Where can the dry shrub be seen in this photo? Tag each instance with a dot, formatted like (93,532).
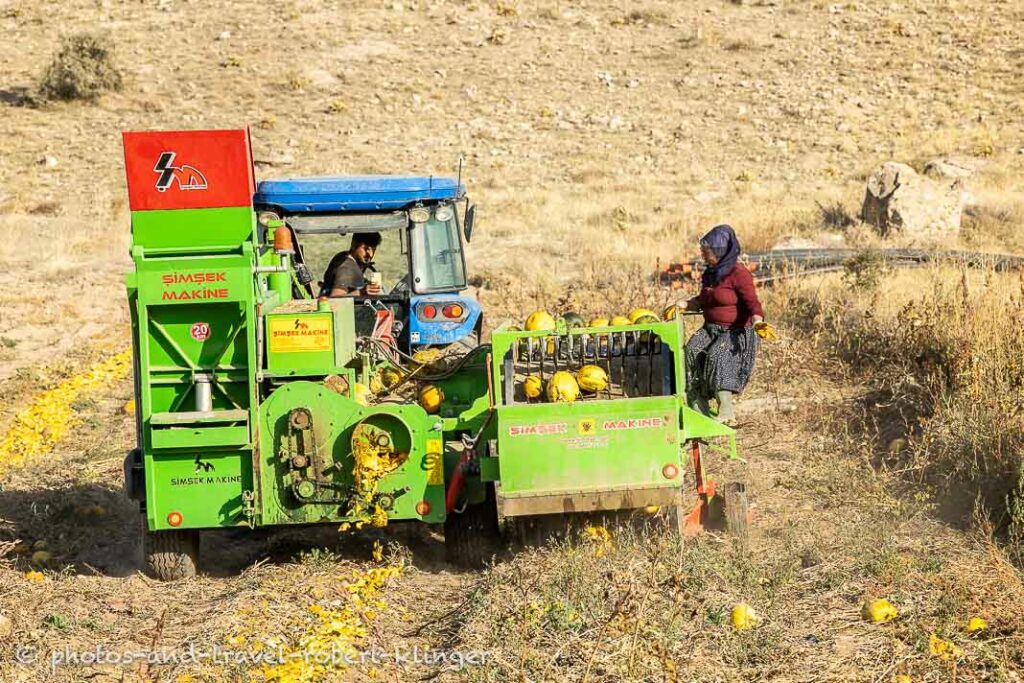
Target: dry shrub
(864,271)
(632,609)
(740,45)
(990,223)
(649,606)
(945,347)
(654,17)
(835,216)
(82,69)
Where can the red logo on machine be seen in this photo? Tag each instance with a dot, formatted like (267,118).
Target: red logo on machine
(186,176)
(532,430)
(639,423)
(188,169)
(200,331)
(194,294)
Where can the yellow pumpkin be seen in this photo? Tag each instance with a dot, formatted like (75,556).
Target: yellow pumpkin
(532,386)
(879,611)
(540,320)
(592,378)
(643,315)
(431,398)
(744,617)
(562,387)
(389,377)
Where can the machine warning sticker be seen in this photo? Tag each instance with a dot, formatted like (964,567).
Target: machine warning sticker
(537,430)
(638,423)
(586,426)
(299,333)
(583,442)
(199,331)
(434,463)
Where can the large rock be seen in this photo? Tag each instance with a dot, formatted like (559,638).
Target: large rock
(956,172)
(951,168)
(898,200)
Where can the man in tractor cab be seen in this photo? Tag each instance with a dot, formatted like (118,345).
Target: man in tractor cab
(346,273)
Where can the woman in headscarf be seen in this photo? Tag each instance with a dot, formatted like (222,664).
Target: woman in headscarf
(720,355)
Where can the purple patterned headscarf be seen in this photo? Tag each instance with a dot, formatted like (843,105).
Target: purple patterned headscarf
(722,242)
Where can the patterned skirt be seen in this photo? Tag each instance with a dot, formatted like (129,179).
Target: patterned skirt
(719,358)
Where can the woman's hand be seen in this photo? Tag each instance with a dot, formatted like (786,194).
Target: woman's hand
(691,305)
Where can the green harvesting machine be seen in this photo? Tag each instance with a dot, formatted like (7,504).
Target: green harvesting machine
(263,401)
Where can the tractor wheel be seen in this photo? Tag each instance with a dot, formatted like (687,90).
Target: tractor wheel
(737,510)
(470,537)
(171,555)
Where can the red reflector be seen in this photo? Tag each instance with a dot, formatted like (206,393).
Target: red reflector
(175,519)
(670,471)
(423,508)
(453,311)
(429,312)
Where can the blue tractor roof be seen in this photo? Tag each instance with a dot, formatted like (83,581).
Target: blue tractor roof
(354,193)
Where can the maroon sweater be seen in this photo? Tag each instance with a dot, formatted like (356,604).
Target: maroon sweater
(733,301)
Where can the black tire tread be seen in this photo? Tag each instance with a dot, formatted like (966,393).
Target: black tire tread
(471,537)
(171,555)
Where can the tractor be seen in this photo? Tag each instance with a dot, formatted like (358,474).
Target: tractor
(420,259)
(262,401)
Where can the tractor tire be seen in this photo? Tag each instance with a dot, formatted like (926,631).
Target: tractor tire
(171,555)
(471,537)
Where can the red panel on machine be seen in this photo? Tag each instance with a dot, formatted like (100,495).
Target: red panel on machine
(192,169)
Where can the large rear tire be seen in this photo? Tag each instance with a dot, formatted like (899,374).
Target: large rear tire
(471,537)
(171,555)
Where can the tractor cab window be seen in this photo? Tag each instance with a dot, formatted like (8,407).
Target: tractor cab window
(438,262)
(321,239)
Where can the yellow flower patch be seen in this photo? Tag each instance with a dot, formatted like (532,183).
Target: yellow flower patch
(945,650)
(600,538)
(49,418)
(334,638)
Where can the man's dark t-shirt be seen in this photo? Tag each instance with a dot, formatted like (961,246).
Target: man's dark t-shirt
(344,273)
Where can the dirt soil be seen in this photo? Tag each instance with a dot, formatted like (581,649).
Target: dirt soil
(829,532)
(601,136)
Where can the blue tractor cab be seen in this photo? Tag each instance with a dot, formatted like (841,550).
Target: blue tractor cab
(420,259)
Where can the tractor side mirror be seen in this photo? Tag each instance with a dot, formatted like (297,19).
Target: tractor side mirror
(467,228)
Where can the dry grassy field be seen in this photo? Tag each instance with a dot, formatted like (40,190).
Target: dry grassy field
(883,431)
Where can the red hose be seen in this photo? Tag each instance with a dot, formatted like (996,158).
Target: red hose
(455,485)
